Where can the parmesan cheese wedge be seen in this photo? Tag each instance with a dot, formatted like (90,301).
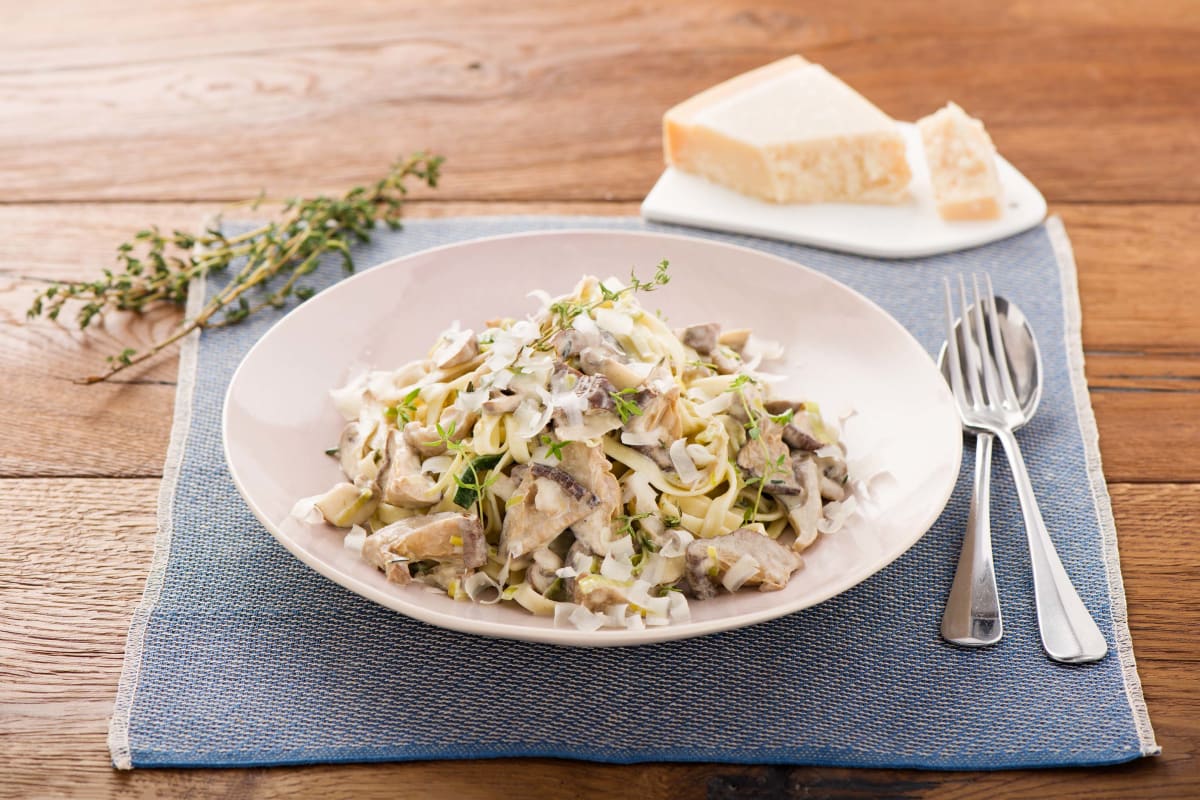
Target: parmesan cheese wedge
(962,165)
(789,132)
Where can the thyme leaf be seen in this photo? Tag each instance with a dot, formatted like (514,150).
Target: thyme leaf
(156,267)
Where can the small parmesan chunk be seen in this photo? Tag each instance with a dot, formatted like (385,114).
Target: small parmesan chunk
(962,165)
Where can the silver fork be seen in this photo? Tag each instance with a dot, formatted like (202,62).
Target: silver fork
(982,385)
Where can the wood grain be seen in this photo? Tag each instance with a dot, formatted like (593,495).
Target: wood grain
(114,118)
(122,429)
(64,612)
(216,104)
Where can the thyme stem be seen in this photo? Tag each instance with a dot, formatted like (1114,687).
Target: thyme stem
(159,268)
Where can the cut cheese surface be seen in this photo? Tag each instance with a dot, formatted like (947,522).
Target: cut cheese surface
(789,132)
(962,165)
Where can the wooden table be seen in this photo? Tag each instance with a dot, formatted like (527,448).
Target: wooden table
(114,116)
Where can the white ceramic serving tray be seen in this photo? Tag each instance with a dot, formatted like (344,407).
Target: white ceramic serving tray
(908,230)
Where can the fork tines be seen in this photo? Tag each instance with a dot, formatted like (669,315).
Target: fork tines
(979,367)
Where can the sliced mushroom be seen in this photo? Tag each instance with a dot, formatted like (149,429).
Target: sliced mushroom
(701,338)
(765,457)
(799,434)
(735,339)
(597,417)
(804,509)
(548,501)
(452,539)
(708,561)
(402,482)
(499,404)
(726,360)
(596,593)
(660,415)
(456,348)
(345,504)
(354,455)
(426,440)
(621,376)
(592,469)
(540,573)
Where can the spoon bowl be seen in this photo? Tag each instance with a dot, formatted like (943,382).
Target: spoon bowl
(1023,353)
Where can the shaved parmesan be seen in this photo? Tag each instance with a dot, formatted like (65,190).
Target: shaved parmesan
(481,588)
(743,570)
(684,466)
(355,539)
(613,321)
(586,620)
(639,438)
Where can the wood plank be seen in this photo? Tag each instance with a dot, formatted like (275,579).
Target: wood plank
(45,39)
(1138,274)
(224,99)
(64,612)
(125,427)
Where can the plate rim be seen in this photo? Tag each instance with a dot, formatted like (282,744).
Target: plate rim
(565,636)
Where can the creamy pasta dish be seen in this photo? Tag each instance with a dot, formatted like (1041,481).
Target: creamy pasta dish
(588,462)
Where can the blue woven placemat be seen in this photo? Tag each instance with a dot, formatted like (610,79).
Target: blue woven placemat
(241,655)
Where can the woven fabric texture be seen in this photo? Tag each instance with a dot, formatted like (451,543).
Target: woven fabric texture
(241,655)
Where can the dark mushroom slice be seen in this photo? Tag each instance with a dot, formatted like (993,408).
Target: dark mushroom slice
(701,338)
(725,359)
(765,457)
(447,538)
(798,433)
(402,482)
(546,502)
(709,560)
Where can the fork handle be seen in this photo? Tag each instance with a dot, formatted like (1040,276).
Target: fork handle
(1069,634)
(972,615)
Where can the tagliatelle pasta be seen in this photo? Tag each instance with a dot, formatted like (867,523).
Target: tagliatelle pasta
(588,463)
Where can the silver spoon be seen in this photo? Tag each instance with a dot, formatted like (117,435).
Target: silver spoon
(972,616)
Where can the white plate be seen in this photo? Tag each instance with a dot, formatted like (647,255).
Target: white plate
(908,230)
(842,350)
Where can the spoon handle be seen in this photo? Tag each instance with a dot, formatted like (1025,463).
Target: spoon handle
(1069,634)
(972,616)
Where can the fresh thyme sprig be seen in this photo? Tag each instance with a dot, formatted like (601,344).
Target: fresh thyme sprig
(564,312)
(402,413)
(626,407)
(155,267)
(772,468)
(555,447)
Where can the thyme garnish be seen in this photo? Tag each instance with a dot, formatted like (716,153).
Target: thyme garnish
(564,312)
(626,408)
(556,447)
(156,267)
(470,487)
(402,413)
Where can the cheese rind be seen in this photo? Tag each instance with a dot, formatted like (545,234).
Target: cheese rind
(962,165)
(789,132)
